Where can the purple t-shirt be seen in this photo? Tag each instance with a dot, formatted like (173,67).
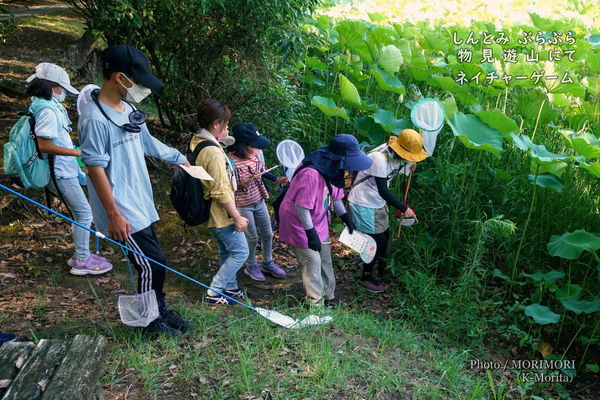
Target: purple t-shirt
(308,190)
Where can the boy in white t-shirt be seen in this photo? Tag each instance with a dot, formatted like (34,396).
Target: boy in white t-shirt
(370,195)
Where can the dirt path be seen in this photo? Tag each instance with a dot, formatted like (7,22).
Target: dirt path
(39,9)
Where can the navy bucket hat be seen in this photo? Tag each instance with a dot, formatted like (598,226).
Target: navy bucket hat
(342,153)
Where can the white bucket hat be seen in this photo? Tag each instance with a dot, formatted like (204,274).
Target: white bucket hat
(54,73)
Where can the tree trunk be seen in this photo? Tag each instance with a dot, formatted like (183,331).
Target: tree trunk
(81,56)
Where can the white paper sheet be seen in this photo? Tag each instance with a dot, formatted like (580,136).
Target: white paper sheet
(363,244)
(197,172)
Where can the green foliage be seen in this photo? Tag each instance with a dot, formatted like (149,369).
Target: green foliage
(8,26)
(387,82)
(328,107)
(581,306)
(390,59)
(348,91)
(534,140)
(475,134)
(495,119)
(571,245)
(548,181)
(547,277)
(541,314)
(204,48)
(388,122)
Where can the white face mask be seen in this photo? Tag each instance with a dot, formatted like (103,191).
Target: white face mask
(60,97)
(136,93)
(227,141)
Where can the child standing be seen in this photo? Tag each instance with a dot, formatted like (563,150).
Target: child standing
(304,214)
(49,86)
(113,147)
(225,222)
(370,195)
(250,196)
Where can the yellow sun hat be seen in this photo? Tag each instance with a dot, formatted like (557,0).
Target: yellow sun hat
(408,145)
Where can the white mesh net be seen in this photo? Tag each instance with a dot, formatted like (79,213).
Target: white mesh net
(289,154)
(291,323)
(428,115)
(138,310)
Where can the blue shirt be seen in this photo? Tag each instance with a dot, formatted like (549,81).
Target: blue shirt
(121,154)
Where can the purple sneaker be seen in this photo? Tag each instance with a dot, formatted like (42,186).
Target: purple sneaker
(255,273)
(101,260)
(89,267)
(273,269)
(373,286)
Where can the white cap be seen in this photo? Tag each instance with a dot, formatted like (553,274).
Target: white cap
(54,73)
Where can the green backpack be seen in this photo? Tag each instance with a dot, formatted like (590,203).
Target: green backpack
(21,154)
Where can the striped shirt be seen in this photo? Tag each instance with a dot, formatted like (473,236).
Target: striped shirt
(248,170)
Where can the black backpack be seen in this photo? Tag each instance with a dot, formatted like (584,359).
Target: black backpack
(187,193)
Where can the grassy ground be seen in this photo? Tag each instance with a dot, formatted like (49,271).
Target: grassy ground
(236,354)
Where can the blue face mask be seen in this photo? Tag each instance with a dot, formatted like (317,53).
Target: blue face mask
(339,180)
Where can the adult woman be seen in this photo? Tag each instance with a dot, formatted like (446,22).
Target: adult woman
(370,196)
(225,221)
(315,189)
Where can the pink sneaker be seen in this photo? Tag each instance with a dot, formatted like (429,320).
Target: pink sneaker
(92,266)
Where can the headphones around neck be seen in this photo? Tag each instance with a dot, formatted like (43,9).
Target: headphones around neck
(136,118)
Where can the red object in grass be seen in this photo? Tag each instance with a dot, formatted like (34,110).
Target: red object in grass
(400,214)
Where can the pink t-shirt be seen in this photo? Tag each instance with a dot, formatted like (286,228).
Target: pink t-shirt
(308,190)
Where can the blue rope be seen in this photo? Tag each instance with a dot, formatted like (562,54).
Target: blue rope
(100,235)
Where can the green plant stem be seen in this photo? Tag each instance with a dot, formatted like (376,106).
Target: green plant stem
(368,83)
(398,106)
(473,186)
(533,197)
(562,321)
(505,100)
(588,270)
(573,339)
(521,125)
(589,343)
(537,120)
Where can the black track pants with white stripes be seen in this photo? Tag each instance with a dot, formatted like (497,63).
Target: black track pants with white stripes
(150,275)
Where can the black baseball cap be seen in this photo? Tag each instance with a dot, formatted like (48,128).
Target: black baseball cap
(132,62)
(248,134)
